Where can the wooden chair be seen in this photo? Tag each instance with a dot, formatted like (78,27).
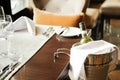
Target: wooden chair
(110,9)
(67,13)
(61,13)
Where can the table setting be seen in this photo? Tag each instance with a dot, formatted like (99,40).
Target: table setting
(89,60)
(23,39)
(30,37)
(26,35)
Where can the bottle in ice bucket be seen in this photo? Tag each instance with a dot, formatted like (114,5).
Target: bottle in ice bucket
(85,37)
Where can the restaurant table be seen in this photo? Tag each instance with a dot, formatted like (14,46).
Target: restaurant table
(42,66)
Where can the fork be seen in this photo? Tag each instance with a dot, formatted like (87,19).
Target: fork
(48,31)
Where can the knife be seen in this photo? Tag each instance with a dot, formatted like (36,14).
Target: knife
(4,70)
(63,31)
(7,71)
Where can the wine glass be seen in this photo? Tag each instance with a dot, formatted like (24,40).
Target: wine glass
(12,47)
(7,28)
(5,31)
(2,14)
(2,20)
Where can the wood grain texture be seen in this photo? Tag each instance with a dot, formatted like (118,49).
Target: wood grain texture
(41,66)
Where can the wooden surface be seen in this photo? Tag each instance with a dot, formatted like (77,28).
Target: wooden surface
(42,65)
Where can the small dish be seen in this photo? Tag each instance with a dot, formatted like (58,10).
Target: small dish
(68,31)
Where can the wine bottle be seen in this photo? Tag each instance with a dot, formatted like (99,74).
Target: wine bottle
(85,38)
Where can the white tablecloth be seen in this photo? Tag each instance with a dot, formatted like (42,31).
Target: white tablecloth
(28,44)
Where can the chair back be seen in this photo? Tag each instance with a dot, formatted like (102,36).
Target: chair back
(60,12)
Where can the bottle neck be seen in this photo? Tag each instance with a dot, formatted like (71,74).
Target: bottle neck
(84,34)
(82,26)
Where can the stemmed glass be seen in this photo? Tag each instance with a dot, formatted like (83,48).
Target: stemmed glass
(5,32)
(2,20)
(11,44)
(2,14)
(7,29)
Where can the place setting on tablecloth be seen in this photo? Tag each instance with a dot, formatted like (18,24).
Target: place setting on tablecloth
(22,45)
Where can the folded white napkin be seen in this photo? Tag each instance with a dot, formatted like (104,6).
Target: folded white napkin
(22,23)
(79,53)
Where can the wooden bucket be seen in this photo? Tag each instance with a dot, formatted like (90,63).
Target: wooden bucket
(97,66)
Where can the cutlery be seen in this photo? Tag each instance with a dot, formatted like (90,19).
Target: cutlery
(4,69)
(63,31)
(48,31)
(8,70)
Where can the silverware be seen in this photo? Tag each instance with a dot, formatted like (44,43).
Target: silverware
(48,31)
(4,70)
(8,70)
(63,31)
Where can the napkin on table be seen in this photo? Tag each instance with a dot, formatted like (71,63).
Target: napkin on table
(79,53)
(24,23)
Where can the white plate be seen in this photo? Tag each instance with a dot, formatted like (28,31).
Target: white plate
(69,32)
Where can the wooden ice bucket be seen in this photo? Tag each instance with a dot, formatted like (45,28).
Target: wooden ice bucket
(97,66)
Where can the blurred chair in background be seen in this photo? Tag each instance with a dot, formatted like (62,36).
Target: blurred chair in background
(67,13)
(75,12)
(110,9)
(61,13)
